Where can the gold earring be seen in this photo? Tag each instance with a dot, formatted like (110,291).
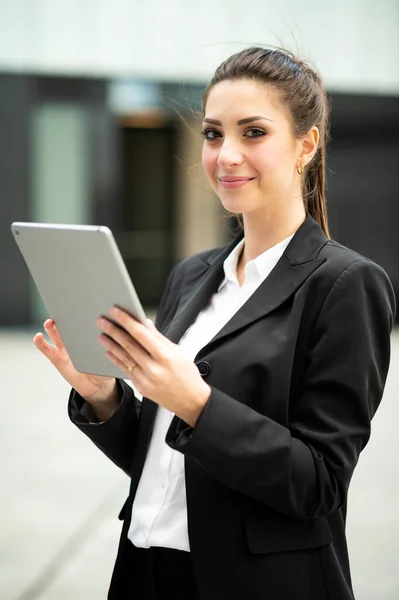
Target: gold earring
(300,169)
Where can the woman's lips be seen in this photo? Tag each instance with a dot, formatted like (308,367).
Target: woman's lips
(234,182)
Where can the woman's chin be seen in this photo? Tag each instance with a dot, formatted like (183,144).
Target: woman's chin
(235,207)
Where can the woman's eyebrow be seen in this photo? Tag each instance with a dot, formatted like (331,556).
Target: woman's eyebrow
(241,121)
(250,119)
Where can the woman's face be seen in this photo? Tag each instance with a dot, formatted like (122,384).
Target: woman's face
(249,154)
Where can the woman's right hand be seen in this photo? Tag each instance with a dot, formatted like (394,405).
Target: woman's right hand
(93,388)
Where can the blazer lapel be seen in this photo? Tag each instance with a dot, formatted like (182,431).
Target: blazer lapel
(280,285)
(204,289)
(297,263)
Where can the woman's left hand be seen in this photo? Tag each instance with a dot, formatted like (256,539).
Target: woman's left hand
(156,366)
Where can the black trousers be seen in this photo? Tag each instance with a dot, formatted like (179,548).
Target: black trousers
(173,575)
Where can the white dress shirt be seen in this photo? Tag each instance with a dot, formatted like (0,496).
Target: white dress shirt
(159,514)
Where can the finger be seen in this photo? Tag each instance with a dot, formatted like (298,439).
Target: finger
(156,332)
(130,369)
(45,348)
(40,342)
(118,335)
(127,356)
(52,331)
(142,334)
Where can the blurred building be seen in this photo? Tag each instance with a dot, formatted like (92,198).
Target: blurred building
(98,124)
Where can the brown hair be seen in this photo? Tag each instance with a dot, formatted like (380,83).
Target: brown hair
(301,90)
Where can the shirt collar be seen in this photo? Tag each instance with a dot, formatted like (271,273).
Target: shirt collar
(230,263)
(259,267)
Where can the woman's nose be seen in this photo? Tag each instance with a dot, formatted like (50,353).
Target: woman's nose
(229,154)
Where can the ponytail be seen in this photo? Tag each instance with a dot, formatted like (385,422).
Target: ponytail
(314,191)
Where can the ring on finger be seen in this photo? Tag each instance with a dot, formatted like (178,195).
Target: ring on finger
(132,367)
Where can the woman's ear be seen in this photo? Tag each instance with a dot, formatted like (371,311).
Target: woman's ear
(310,144)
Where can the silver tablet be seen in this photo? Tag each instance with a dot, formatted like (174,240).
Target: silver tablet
(80,274)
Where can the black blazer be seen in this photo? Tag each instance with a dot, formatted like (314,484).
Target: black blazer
(296,376)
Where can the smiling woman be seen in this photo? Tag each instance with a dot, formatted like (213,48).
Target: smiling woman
(259,381)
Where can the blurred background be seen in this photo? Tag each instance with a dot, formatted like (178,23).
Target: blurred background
(99,125)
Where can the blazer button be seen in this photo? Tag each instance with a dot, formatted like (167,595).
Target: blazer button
(204,368)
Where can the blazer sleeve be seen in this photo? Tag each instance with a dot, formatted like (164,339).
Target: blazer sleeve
(116,437)
(303,470)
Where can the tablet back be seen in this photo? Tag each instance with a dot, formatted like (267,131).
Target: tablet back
(80,274)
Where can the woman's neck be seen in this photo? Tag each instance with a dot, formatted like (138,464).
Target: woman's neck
(264,233)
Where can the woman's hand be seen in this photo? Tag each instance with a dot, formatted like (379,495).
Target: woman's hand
(156,366)
(93,388)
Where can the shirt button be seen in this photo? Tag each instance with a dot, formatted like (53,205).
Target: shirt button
(204,368)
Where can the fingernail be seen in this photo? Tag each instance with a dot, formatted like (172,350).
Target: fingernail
(114,310)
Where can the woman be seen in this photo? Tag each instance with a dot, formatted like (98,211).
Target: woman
(266,365)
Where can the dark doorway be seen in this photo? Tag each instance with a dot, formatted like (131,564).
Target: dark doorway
(148,205)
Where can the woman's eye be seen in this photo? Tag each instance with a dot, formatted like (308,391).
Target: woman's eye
(254,132)
(211,134)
